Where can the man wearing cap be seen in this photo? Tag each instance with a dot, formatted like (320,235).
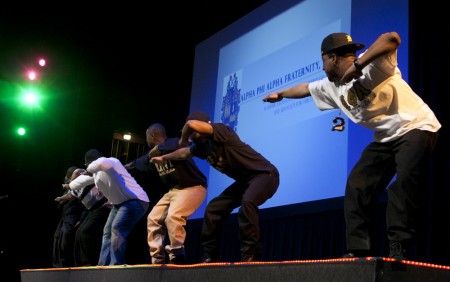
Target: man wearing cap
(256,181)
(370,90)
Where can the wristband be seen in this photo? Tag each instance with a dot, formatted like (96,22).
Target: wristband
(357,65)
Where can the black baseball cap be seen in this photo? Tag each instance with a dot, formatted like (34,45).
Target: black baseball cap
(339,40)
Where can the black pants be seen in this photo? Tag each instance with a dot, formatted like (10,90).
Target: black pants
(372,174)
(63,243)
(88,238)
(247,195)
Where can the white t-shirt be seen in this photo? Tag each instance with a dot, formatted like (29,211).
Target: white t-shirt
(114,181)
(379,100)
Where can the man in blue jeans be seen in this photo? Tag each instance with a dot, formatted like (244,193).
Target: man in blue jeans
(129,204)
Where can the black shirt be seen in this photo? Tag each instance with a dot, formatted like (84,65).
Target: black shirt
(227,153)
(174,174)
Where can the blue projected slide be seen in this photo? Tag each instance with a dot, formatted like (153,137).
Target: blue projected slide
(275,47)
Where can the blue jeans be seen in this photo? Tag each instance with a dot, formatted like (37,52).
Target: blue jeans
(120,223)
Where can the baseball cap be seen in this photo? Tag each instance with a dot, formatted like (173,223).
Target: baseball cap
(339,40)
(198,115)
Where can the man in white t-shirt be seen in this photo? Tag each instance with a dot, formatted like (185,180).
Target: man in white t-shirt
(370,90)
(129,204)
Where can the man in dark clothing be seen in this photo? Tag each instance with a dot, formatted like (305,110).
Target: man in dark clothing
(88,237)
(256,181)
(73,213)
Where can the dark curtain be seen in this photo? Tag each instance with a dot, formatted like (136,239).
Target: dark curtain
(429,75)
(317,230)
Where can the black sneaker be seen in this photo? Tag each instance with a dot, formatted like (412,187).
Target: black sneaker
(179,259)
(356,254)
(349,255)
(176,254)
(248,258)
(158,260)
(251,253)
(210,259)
(396,250)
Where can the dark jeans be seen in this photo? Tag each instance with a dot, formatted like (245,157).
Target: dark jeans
(247,195)
(371,175)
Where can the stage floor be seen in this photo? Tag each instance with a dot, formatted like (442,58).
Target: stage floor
(348,270)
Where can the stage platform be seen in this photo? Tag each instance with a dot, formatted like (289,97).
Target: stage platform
(348,270)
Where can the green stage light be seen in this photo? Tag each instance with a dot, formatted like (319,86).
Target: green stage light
(21,131)
(30,98)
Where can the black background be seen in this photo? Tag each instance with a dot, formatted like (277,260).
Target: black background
(110,67)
